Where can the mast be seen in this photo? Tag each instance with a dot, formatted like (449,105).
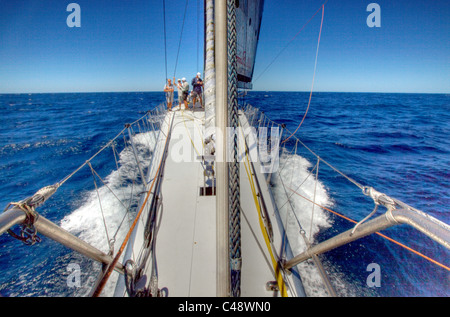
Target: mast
(223,265)
(228,76)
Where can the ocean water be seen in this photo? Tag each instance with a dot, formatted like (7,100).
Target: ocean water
(396,143)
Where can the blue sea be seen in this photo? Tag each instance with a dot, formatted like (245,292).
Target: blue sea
(397,143)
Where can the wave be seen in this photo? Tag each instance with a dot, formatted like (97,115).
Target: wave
(13,148)
(106,213)
(292,188)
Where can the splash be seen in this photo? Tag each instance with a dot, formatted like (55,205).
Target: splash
(294,187)
(106,213)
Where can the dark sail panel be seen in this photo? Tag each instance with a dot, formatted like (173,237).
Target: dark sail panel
(248,23)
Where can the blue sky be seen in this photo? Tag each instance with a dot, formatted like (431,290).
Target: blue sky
(120,46)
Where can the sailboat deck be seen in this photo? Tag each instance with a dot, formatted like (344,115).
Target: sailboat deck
(186,240)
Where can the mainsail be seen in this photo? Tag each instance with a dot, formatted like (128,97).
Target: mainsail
(248,24)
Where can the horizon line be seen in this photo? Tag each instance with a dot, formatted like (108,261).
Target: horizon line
(249,90)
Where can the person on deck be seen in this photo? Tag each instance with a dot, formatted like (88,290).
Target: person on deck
(180,91)
(197,85)
(168,89)
(185,92)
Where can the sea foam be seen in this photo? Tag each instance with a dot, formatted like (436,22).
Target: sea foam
(107,211)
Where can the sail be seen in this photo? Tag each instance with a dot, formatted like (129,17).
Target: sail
(248,23)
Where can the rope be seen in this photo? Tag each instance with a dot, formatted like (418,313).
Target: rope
(302,231)
(165,36)
(282,50)
(100,204)
(181,36)
(189,135)
(94,173)
(277,269)
(28,233)
(65,179)
(233,170)
(315,189)
(360,186)
(28,206)
(198,30)
(380,234)
(314,75)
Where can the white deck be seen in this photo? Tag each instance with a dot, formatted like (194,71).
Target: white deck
(186,240)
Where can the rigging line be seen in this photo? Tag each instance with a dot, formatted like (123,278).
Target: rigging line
(117,164)
(123,193)
(65,179)
(302,231)
(165,36)
(101,208)
(110,268)
(249,169)
(298,187)
(378,233)
(181,36)
(284,48)
(273,256)
(150,132)
(331,166)
(315,188)
(360,186)
(154,271)
(198,30)
(192,142)
(106,185)
(146,114)
(291,156)
(351,180)
(314,75)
